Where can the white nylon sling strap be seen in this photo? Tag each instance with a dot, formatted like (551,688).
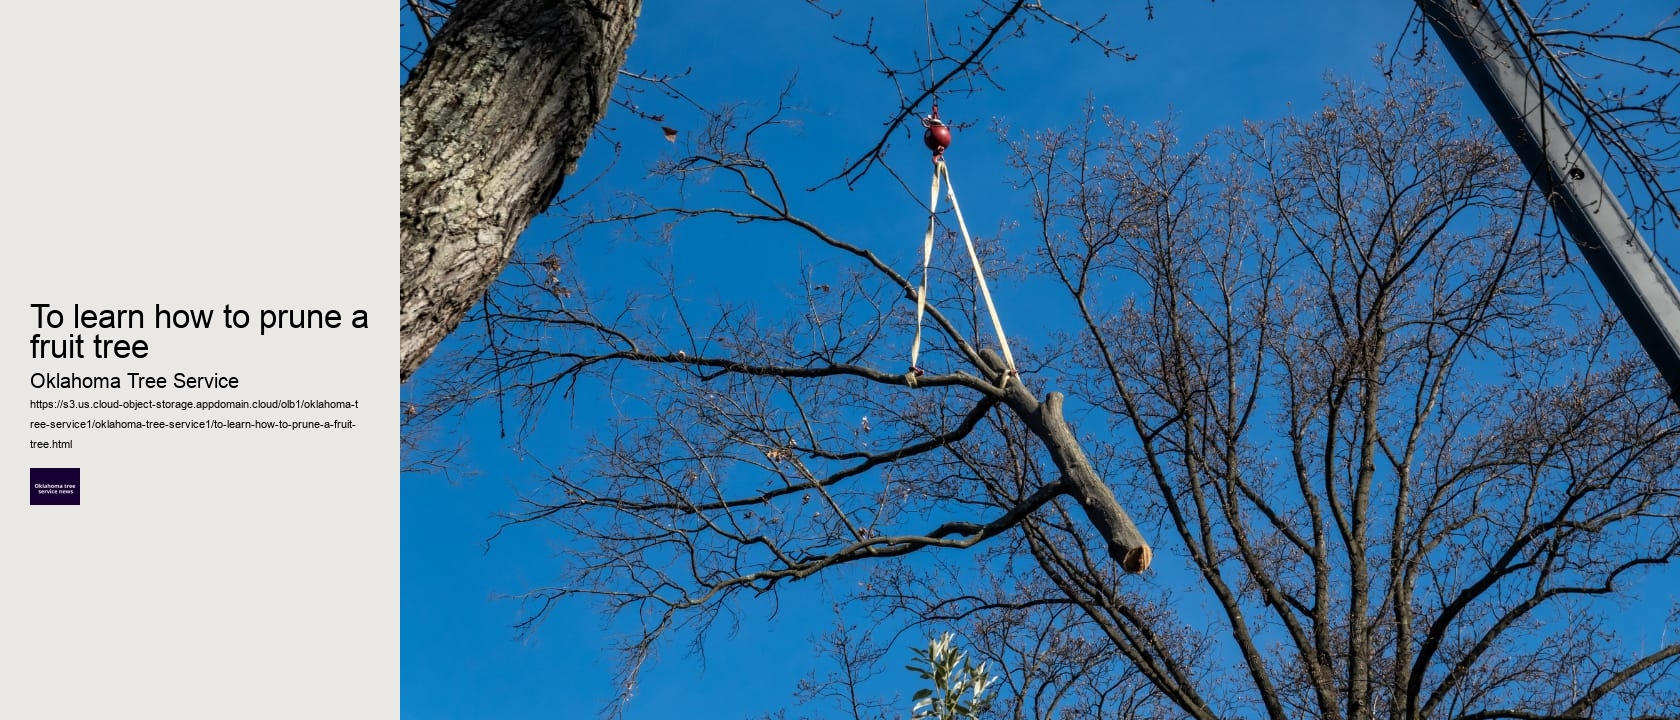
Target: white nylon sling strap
(979,275)
(927,256)
(939,170)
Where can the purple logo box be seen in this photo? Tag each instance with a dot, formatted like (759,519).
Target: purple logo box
(55,486)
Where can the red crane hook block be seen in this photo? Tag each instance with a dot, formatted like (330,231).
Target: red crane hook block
(938,134)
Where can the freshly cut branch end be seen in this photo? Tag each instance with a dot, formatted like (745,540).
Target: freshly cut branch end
(1125,543)
(1134,560)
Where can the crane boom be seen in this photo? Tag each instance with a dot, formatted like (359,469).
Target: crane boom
(1561,168)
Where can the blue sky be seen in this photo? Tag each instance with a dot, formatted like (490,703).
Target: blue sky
(1211,65)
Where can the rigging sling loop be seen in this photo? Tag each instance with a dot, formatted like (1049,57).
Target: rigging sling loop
(938,137)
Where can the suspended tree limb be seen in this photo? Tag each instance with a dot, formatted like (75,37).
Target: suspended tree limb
(1125,543)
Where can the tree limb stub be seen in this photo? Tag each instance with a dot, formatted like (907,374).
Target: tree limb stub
(1125,543)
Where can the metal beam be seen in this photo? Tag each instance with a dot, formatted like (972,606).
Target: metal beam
(1562,170)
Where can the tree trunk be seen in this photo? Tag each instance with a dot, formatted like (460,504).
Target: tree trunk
(493,119)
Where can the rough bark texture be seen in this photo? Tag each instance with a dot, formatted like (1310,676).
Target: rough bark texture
(493,119)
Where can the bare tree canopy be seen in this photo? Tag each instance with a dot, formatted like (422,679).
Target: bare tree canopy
(1330,357)
(1315,420)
